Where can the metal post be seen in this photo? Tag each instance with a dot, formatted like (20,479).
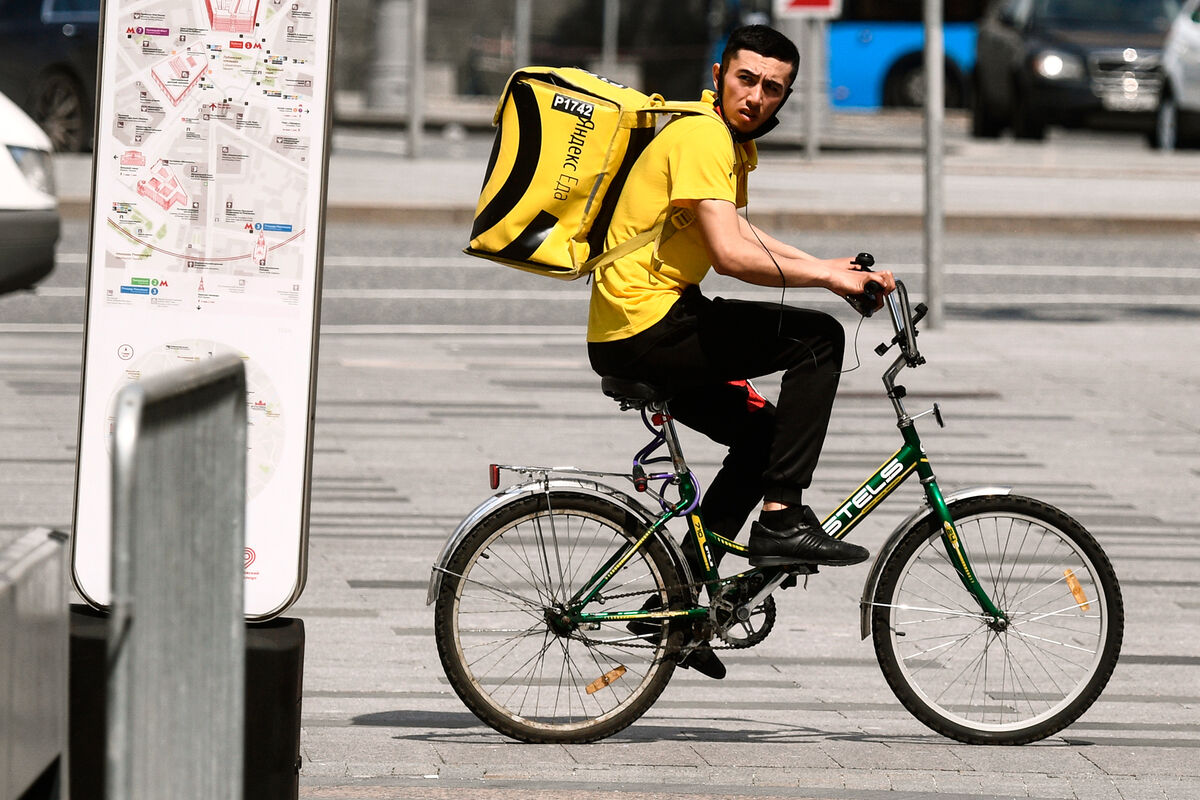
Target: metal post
(416,77)
(815,74)
(935,212)
(522,33)
(33,659)
(176,642)
(608,53)
(387,86)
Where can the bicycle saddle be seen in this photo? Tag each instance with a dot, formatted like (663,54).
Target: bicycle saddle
(633,393)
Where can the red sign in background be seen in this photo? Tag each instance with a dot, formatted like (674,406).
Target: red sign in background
(808,8)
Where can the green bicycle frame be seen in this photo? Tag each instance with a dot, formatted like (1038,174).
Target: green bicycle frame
(845,517)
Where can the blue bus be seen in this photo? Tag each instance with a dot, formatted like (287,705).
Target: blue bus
(876,54)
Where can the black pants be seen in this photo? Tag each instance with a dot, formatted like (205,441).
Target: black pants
(702,352)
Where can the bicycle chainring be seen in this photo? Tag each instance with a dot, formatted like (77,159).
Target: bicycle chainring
(736,632)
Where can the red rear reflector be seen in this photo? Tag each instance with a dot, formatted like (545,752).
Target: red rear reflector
(494,475)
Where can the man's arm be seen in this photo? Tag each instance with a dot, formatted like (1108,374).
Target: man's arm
(734,251)
(761,238)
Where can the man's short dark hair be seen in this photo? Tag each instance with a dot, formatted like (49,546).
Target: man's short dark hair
(765,41)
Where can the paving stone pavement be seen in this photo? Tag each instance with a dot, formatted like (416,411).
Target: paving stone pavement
(1099,418)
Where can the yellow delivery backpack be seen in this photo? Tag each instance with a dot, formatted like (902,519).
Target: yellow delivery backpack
(565,142)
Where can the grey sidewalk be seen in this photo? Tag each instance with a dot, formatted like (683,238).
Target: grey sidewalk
(870,177)
(1097,418)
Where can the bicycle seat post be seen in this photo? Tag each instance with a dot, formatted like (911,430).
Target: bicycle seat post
(662,417)
(653,402)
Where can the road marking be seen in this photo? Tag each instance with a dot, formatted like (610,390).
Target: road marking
(1025,270)
(540,331)
(41,327)
(455,294)
(972,300)
(566,331)
(58,291)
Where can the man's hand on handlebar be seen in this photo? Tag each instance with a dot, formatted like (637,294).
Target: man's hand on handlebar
(862,288)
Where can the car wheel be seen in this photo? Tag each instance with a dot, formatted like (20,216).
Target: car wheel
(60,107)
(984,124)
(1028,123)
(904,86)
(1166,124)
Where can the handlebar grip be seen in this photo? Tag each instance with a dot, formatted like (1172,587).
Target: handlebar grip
(866,302)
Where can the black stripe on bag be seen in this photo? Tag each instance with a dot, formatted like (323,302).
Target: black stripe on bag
(487,176)
(521,248)
(529,150)
(638,139)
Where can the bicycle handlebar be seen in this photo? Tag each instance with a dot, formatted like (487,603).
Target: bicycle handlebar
(865,303)
(904,323)
(904,318)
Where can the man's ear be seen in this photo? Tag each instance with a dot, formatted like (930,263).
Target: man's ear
(716,76)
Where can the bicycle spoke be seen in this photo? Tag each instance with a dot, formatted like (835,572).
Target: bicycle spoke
(1026,674)
(525,657)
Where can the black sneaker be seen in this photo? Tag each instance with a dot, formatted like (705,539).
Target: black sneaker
(646,628)
(801,541)
(704,660)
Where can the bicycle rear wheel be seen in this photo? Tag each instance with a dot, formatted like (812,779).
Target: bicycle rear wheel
(500,628)
(981,681)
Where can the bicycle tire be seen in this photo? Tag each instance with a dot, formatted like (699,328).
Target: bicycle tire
(997,684)
(493,620)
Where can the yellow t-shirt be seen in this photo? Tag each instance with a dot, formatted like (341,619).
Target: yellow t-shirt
(692,158)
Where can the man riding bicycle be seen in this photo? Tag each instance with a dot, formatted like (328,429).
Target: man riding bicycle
(649,321)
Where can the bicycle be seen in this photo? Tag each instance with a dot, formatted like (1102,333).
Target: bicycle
(562,607)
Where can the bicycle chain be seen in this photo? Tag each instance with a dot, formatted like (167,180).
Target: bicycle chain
(696,584)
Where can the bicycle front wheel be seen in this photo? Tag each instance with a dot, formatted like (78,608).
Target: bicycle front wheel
(503,629)
(986,681)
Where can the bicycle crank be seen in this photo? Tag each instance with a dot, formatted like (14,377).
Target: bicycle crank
(737,619)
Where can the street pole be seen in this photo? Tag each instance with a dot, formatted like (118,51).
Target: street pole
(608,53)
(522,33)
(935,112)
(814,28)
(416,76)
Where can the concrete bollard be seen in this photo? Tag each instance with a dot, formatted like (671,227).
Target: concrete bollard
(33,665)
(176,643)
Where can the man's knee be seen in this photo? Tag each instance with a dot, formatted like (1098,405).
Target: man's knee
(820,337)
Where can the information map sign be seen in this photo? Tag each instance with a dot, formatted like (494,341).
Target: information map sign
(209,188)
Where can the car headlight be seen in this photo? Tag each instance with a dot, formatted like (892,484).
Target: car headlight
(36,166)
(1058,66)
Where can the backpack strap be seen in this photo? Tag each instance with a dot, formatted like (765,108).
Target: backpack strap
(656,106)
(625,248)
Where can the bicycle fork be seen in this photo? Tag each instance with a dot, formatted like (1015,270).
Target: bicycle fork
(896,470)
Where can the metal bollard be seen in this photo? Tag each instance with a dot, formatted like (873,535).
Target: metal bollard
(33,663)
(176,646)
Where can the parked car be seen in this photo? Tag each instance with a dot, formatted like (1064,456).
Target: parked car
(1069,62)
(29,221)
(1177,122)
(48,65)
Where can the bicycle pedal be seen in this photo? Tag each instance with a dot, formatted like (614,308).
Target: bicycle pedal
(795,572)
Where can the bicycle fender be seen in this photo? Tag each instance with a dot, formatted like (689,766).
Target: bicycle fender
(521,491)
(885,552)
